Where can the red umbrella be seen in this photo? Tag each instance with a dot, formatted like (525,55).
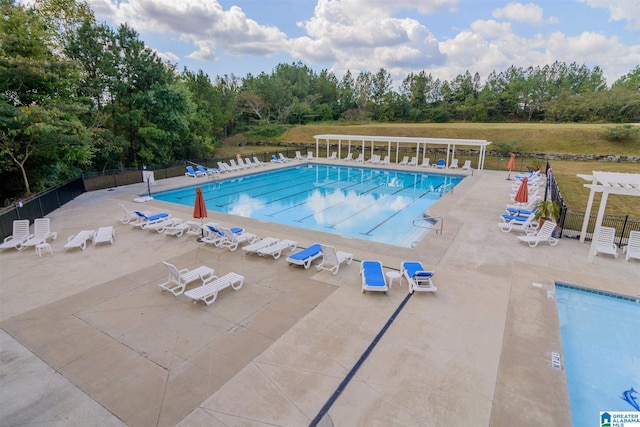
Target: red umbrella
(512,164)
(200,208)
(522,196)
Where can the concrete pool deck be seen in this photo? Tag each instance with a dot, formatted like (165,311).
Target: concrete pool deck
(88,338)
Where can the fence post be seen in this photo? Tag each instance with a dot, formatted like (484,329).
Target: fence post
(624,226)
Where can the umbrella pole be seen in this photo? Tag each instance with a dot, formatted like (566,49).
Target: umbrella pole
(509,176)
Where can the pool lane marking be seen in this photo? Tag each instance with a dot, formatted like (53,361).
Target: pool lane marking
(343,385)
(368,233)
(307,201)
(339,203)
(372,204)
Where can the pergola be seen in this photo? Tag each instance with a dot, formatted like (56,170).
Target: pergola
(626,184)
(397,140)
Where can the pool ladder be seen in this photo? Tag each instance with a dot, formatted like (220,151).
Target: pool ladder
(429,222)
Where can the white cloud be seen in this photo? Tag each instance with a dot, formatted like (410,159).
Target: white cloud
(365,35)
(529,13)
(491,28)
(620,10)
(202,22)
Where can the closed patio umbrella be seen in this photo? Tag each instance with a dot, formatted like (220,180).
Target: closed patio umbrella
(200,208)
(512,164)
(522,196)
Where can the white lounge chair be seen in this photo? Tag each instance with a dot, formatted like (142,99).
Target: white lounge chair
(306,256)
(283,158)
(104,235)
(414,161)
(418,277)
(179,279)
(466,166)
(349,157)
(177,230)
(242,164)
(208,292)
(41,233)
(632,250)
(299,156)
(233,238)
(234,165)
(333,156)
(259,244)
(276,249)
(212,234)
(605,242)
(210,172)
(309,155)
(373,278)
(360,158)
(453,164)
(544,234)
(404,161)
(159,226)
(517,223)
(80,240)
(385,161)
(129,215)
(223,167)
(19,235)
(249,163)
(258,162)
(331,259)
(144,219)
(426,162)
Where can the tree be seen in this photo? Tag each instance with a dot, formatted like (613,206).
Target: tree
(38,112)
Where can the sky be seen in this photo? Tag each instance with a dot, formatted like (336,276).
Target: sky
(443,37)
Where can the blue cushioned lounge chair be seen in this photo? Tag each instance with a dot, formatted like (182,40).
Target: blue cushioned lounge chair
(418,277)
(373,278)
(193,173)
(144,219)
(305,256)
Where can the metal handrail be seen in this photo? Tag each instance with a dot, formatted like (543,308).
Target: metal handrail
(426,219)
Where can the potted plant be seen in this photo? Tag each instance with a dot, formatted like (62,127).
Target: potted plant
(536,165)
(546,210)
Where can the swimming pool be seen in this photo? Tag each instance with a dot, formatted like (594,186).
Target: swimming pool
(601,346)
(363,203)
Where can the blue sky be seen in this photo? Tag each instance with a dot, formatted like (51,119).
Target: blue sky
(443,37)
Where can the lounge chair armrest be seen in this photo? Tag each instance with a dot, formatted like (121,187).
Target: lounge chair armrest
(423,274)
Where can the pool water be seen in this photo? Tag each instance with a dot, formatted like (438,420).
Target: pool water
(370,204)
(601,348)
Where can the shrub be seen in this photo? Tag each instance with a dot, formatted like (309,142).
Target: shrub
(622,132)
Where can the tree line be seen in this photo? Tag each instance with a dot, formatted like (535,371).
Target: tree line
(76,95)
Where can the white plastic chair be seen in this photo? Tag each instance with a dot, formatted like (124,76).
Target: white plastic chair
(632,250)
(331,259)
(605,242)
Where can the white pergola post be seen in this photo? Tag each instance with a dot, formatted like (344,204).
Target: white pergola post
(596,232)
(587,214)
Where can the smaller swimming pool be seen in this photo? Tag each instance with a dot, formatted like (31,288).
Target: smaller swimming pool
(379,205)
(601,348)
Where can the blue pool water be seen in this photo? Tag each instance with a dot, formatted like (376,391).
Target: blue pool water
(601,349)
(370,204)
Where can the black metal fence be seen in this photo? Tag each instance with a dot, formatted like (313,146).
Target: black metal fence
(570,222)
(40,204)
